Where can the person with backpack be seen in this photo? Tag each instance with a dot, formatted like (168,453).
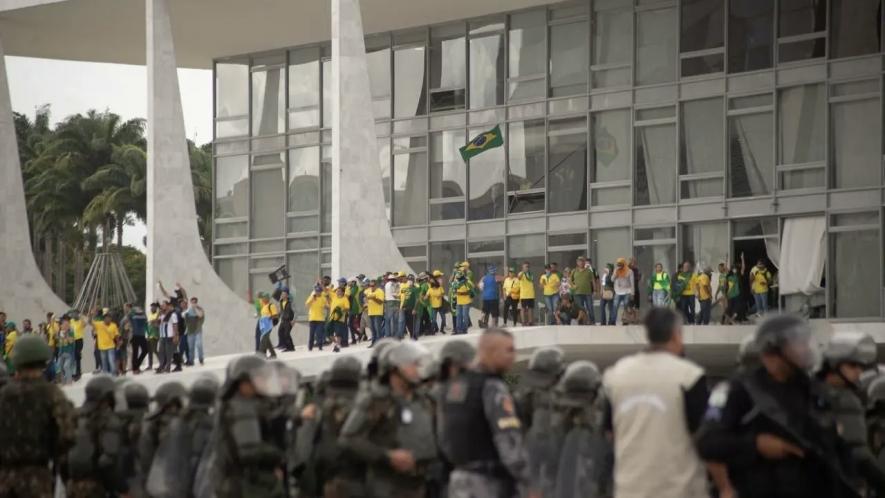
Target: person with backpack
(760,281)
(268,317)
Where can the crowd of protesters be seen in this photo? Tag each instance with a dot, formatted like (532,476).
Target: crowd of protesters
(124,337)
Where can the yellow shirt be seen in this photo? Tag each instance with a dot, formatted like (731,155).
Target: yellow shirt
(375,309)
(760,280)
(550,283)
(316,307)
(403,295)
(78,327)
(704,289)
(342,303)
(52,333)
(688,290)
(526,287)
(10,341)
(511,287)
(269,309)
(435,294)
(105,334)
(464,295)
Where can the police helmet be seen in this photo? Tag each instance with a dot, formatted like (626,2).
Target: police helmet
(457,352)
(876,392)
(545,367)
(169,393)
(850,347)
(580,382)
(136,395)
(748,352)
(789,337)
(372,369)
(275,379)
(203,391)
(30,351)
(240,369)
(100,388)
(400,355)
(345,373)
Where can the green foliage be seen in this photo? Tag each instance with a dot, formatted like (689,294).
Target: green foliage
(134,261)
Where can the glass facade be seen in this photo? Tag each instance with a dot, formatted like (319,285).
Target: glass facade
(658,130)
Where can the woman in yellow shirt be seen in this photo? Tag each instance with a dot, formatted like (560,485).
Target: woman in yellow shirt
(435,295)
(375,307)
(550,283)
(511,296)
(339,305)
(527,294)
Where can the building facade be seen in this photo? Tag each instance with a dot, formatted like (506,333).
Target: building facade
(674,130)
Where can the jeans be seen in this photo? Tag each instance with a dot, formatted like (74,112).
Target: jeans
(376,322)
(184,351)
(78,356)
(686,306)
(66,367)
(391,314)
(606,304)
(463,318)
(340,329)
(659,298)
(195,346)
(704,318)
(619,299)
(586,301)
(434,313)
(167,350)
(257,337)
(317,335)
(108,361)
(761,303)
(266,346)
(152,351)
(139,351)
(552,303)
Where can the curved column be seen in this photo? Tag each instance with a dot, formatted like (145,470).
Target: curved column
(24,293)
(174,251)
(361,238)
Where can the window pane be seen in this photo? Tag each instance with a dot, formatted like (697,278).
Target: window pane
(799,17)
(231,89)
(447,211)
(529,248)
(750,35)
(714,63)
(268,96)
(857,155)
(803,178)
(384,163)
(448,172)
(612,37)
(612,77)
(444,255)
(268,211)
(611,146)
(231,186)
(230,230)
(488,192)
(303,268)
(304,179)
(646,258)
(702,24)
(801,124)
(655,165)
(609,244)
(703,137)
(855,28)
(409,186)
(696,189)
(656,233)
(566,259)
(326,192)
(706,245)
(856,291)
(378,62)
(655,46)
(751,154)
(610,196)
(801,50)
(304,88)
(567,239)
(755,227)
(327,92)
(568,168)
(528,50)
(486,71)
(527,165)
(409,93)
(235,273)
(526,202)
(448,67)
(569,59)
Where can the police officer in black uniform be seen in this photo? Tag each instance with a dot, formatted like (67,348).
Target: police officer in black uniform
(484,432)
(771,429)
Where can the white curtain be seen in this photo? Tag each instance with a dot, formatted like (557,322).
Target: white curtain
(659,159)
(802,255)
(773,249)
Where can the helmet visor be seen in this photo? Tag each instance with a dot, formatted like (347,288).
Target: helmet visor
(274,381)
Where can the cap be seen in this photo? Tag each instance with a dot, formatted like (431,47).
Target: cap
(342,280)
(437,273)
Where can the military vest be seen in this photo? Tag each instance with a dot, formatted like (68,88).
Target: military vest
(25,438)
(470,438)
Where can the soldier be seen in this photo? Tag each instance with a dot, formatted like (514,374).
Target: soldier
(455,357)
(391,428)
(162,464)
(847,355)
(484,432)
(322,467)
(4,375)
(37,424)
(876,418)
(772,426)
(131,411)
(585,464)
(748,353)
(545,367)
(377,351)
(198,420)
(96,463)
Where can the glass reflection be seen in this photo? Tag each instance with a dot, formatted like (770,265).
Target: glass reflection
(231,187)
(304,179)
(801,124)
(703,136)
(409,183)
(268,96)
(409,92)
(750,35)
(231,89)
(655,46)
(304,89)
(611,146)
(488,193)
(857,155)
(855,28)
(268,209)
(527,163)
(568,59)
(486,71)
(448,172)
(751,154)
(655,181)
(568,166)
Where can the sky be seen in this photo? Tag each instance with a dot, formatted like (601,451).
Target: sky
(71,87)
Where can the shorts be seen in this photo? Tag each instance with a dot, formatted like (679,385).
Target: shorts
(527,304)
(490,307)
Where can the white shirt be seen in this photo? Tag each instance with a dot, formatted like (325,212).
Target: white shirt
(391,291)
(623,285)
(167,327)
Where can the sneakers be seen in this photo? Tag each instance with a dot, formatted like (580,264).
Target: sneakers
(336,350)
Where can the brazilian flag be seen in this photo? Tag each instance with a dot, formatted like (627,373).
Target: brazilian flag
(483,142)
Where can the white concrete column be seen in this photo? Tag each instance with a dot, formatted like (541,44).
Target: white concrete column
(23,291)
(361,237)
(174,251)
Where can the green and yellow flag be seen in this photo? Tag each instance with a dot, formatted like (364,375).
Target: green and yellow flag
(483,142)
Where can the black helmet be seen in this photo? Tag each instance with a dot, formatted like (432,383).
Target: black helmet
(344,374)
(876,392)
(100,388)
(545,367)
(30,351)
(203,391)
(850,347)
(457,352)
(136,396)
(372,369)
(748,352)
(580,382)
(167,394)
(240,369)
(788,336)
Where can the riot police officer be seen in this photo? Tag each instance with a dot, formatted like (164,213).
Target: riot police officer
(485,434)
(96,463)
(847,356)
(748,353)
(162,455)
(198,420)
(4,375)
(585,463)
(536,389)
(132,404)
(876,418)
(772,427)
(37,424)
(377,350)
(391,428)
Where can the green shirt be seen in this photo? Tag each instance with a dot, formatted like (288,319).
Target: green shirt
(356,306)
(582,279)
(734,286)
(411,297)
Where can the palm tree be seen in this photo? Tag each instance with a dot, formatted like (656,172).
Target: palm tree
(201,176)
(121,186)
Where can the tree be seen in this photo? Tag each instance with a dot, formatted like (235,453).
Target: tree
(201,175)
